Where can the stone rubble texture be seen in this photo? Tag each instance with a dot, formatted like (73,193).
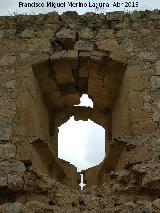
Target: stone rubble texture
(46,63)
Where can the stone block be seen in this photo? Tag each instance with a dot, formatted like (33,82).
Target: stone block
(82,113)
(5,131)
(156,115)
(7,60)
(14,167)
(136,78)
(7,151)
(155,82)
(95,56)
(1,34)
(83,85)
(27,33)
(24,152)
(71,56)
(95,84)
(99,100)
(110,82)
(68,88)
(137,114)
(138,155)
(108,45)
(105,34)
(86,34)
(39,45)
(100,118)
(9,84)
(15,182)
(42,69)
(138,207)
(158,67)
(120,55)
(36,206)
(89,64)
(149,56)
(64,55)
(11,207)
(48,85)
(156,203)
(136,100)
(56,99)
(151,174)
(96,71)
(84,67)
(66,38)
(3,181)
(62,116)
(84,46)
(96,89)
(63,73)
(72,98)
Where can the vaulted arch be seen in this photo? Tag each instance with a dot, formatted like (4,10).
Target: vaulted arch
(68,74)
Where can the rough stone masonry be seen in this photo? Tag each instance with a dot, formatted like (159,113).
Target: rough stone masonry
(46,63)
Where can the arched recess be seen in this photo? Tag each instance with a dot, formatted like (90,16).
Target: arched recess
(68,74)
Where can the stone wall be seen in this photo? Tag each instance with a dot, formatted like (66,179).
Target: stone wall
(46,63)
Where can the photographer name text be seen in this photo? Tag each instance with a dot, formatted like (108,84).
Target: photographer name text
(51,4)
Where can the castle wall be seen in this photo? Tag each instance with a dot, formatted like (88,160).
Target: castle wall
(119,67)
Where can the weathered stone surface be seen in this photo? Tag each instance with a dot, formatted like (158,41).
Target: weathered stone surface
(83,46)
(94,56)
(82,113)
(36,207)
(11,175)
(43,73)
(9,84)
(67,38)
(39,45)
(49,85)
(70,55)
(11,207)
(108,45)
(7,151)
(104,34)
(158,67)
(147,56)
(65,55)
(83,72)
(155,82)
(56,99)
(42,69)
(1,34)
(151,174)
(100,118)
(134,207)
(156,115)
(86,34)
(14,182)
(72,98)
(13,167)
(27,33)
(5,131)
(63,73)
(7,60)
(156,203)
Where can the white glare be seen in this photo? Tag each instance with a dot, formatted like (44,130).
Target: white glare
(82,143)
(85,101)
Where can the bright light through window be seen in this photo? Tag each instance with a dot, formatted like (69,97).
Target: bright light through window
(85,101)
(82,143)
